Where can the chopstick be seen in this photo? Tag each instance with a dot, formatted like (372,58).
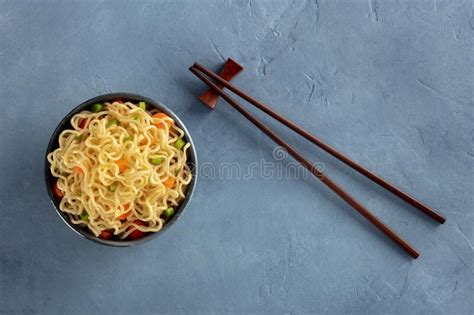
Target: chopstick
(326,147)
(310,167)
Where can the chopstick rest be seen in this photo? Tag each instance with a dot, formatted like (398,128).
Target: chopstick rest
(230,70)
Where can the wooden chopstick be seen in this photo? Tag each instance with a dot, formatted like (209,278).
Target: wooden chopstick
(326,147)
(310,167)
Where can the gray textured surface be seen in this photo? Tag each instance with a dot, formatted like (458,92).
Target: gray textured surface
(388,82)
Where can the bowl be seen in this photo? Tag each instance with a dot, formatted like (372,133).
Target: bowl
(65,124)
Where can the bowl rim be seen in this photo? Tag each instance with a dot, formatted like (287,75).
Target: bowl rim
(65,123)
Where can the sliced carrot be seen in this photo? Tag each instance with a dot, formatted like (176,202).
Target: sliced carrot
(144,141)
(123,216)
(169,182)
(160,115)
(83,123)
(78,170)
(137,233)
(160,124)
(105,235)
(122,164)
(58,193)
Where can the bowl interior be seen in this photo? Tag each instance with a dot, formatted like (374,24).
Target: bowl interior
(65,124)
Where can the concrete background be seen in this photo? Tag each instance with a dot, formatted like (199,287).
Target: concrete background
(390,83)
